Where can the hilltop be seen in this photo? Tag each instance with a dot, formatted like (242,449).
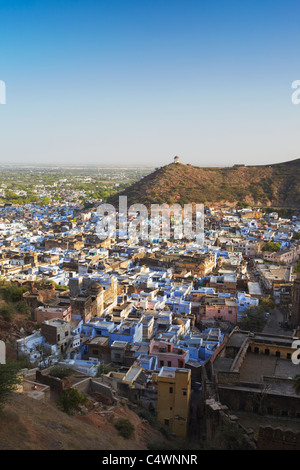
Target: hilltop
(276,185)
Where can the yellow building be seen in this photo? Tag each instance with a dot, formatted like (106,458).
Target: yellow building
(173,399)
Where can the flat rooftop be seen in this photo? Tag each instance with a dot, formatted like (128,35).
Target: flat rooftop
(100,340)
(171,371)
(119,344)
(256,366)
(132,374)
(254,288)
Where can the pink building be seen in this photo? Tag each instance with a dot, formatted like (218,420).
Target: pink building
(42,313)
(167,354)
(226,312)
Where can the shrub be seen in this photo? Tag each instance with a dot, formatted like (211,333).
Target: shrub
(10,379)
(105,369)
(144,414)
(71,399)
(22,307)
(125,427)
(13,293)
(6,311)
(61,372)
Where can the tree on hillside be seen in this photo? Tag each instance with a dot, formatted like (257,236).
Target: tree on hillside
(13,293)
(71,399)
(9,380)
(6,312)
(125,427)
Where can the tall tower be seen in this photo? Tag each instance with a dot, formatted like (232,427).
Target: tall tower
(173,399)
(295,316)
(176,160)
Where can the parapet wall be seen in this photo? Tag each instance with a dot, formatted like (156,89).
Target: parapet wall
(277,439)
(90,385)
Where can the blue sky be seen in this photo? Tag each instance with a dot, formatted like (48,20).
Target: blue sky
(113,82)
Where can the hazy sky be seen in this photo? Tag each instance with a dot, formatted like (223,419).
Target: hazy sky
(116,82)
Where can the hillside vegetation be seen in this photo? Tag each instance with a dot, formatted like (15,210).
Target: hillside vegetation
(29,424)
(276,185)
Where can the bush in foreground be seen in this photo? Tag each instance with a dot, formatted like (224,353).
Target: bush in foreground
(125,427)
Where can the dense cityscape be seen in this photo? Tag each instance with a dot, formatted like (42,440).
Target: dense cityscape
(149,229)
(192,339)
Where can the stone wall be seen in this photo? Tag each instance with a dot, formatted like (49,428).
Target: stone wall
(54,383)
(270,438)
(89,385)
(218,415)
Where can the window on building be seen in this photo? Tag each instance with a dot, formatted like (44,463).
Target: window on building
(171,390)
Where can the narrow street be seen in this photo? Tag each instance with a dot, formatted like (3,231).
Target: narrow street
(196,420)
(274,322)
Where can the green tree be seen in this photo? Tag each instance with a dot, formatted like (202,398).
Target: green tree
(253,319)
(13,293)
(44,201)
(61,371)
(10,378)
(22,308)
(6,311)
(71,399)
(271,246)
(267,303)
